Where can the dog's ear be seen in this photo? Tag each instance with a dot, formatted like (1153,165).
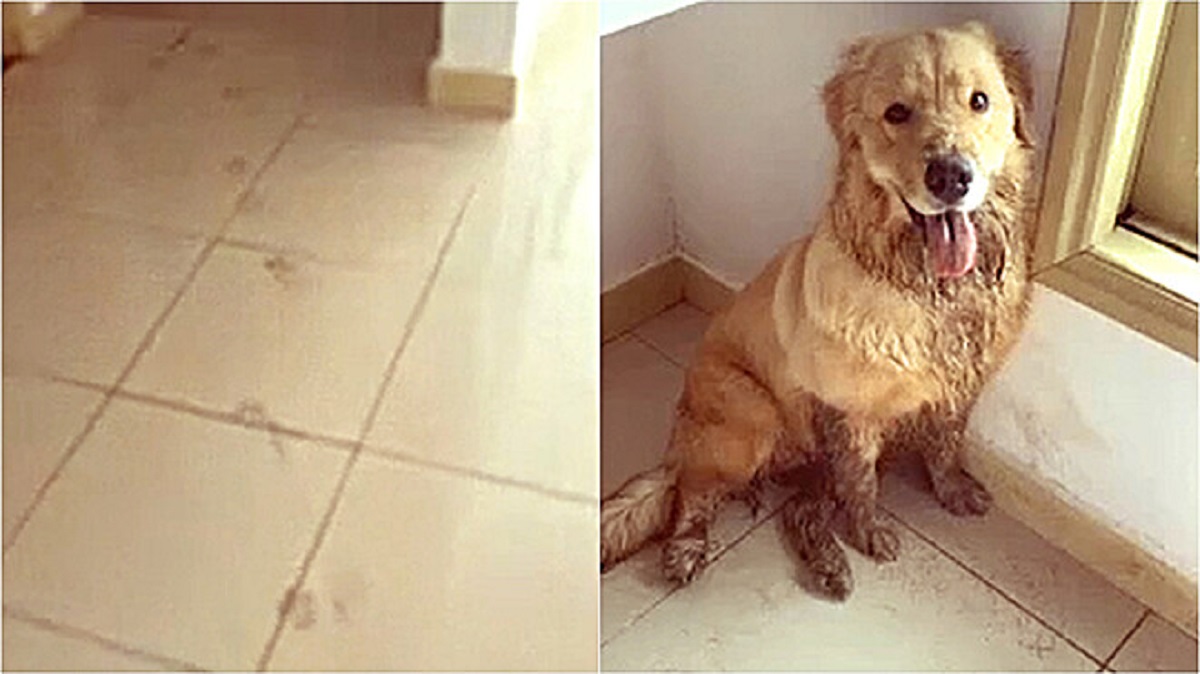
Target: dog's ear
(840,92)
(1015,66)
(979,29)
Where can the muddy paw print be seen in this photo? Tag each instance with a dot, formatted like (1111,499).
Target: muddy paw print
(304,610)
(236,166)
(281,269)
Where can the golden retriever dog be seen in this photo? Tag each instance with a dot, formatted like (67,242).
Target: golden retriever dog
(878,330)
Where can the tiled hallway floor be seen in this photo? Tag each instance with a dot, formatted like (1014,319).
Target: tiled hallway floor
(966,594)
(277,388)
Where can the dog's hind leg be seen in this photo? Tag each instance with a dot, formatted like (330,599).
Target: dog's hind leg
(685,553)
(727,428)
(808,524)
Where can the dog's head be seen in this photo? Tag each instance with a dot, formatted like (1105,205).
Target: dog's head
(934,116)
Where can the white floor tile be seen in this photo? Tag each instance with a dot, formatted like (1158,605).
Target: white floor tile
(184,171)
(29,648)
(636,584)
(922,612)
(423,570)
(638,392)
(1045,580)
(500,375)
(41,419)
(676,332)
(80,292)
(1157,646)
(173,535)
(301,343)
(384,194)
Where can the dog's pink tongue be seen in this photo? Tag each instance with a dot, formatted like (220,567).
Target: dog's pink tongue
(951,241)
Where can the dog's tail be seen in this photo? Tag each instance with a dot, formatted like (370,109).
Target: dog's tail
(636,513)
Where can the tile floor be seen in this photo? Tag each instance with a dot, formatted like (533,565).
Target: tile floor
(276,393)
(979,594)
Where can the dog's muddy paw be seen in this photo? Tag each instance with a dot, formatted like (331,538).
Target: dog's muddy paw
(831,574)
(879,542)
(835,585)
(684,559)
(962,495)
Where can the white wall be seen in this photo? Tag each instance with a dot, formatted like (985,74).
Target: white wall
(747,145)
(617,15)
(478,36)
(635,205)
(729,121)
(495,37)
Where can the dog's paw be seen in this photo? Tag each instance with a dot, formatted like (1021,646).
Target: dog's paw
(834,584)
(684,559)
(879,542)
(830,571)
(962,495)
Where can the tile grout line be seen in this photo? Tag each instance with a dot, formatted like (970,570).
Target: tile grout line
(69,453)
(671,592)
(654,347)
(81,634)
(1125,640)
(484,476)
(995,588)
(345,444)
(323,526)
(234,419)
(142,346)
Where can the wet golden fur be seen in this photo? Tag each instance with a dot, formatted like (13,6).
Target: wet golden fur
(846,343)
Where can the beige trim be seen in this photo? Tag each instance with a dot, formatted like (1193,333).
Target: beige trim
(657,287)
(472,91)
(640,297)
(1017,490)
(1070,527)
(1108,71)
(703,290)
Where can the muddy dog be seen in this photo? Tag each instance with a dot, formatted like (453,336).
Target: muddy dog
(878,330)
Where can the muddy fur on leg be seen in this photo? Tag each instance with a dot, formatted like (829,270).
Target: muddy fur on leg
(852,447)
(940,437)
(728,427)
(807,523)
(685,554)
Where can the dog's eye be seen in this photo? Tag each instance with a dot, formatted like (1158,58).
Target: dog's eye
(897,113)
(979,101)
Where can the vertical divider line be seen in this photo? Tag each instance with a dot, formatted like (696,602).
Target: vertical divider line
(285,606)
(1124,640)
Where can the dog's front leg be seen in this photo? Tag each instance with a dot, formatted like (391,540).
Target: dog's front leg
(857,485)
(942,442)
(808,523)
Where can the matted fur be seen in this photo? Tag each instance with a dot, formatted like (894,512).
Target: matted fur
(847,342)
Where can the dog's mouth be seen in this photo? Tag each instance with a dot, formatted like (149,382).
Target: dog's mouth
(949,240)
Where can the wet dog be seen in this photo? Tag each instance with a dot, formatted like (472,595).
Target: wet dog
(878,330)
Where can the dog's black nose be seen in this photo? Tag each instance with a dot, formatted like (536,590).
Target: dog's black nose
(948,178)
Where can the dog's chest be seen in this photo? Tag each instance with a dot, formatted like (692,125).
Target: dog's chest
(872,350)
